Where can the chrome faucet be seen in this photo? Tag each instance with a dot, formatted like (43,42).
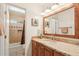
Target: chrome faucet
(53,38)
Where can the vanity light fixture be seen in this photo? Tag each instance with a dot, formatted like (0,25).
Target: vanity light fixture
(54,7)
(63,4)
(46,20)
(58,5)
(47,10)
(42,14)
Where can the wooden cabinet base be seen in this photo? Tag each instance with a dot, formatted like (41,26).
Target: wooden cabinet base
(49,52)
(39,49)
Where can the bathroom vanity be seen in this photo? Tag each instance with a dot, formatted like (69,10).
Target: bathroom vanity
(62,22)
(49,47)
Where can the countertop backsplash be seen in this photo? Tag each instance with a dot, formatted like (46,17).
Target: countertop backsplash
(64,39)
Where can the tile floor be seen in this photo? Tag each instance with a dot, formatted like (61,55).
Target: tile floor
(17,51)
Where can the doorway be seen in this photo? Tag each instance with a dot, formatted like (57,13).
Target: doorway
(16,31)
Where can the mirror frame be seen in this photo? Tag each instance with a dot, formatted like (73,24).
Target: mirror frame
(61,35)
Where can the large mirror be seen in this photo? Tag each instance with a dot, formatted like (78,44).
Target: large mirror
(50,25)
(61,23)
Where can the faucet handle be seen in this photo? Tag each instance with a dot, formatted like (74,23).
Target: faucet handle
(53,37)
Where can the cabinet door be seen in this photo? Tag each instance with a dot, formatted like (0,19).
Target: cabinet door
(76,20)
(34,52)
(58,54)
(41,50)
(48,52)
(37,48)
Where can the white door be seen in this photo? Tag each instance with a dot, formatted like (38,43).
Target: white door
(4,30)
(4,37)
(1,32)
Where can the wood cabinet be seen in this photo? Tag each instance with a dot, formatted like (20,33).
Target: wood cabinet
(49,52)
(58,54)
(39,49)
(76,16)
(33,48)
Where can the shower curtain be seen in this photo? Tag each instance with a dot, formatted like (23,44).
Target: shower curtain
(23,34)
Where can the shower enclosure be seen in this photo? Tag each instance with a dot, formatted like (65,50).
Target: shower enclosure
(16,31)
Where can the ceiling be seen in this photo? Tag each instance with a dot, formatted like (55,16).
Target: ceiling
(36,8)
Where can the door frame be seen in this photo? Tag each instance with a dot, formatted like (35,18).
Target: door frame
(2,39)
(6,8)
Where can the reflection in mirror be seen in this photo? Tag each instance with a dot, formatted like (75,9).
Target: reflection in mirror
(50,25)
(61,23)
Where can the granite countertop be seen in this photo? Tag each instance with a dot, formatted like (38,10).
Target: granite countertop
(65,48)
